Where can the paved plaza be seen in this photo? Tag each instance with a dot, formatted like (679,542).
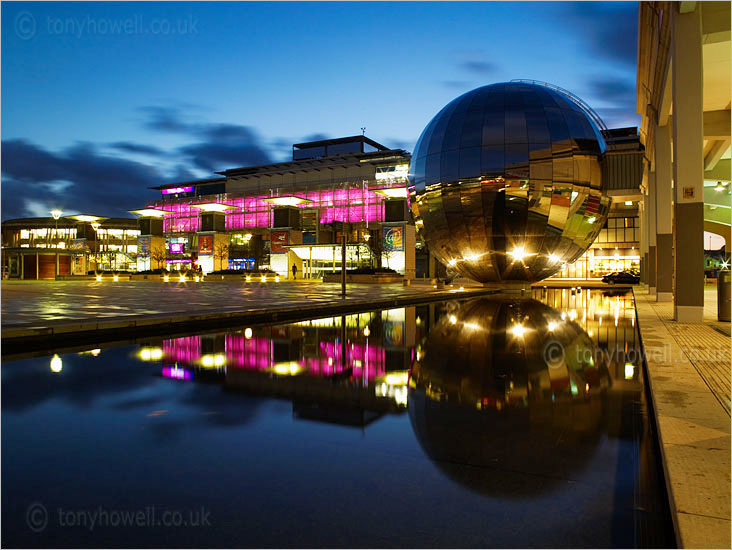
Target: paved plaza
(689,376)
(54,313)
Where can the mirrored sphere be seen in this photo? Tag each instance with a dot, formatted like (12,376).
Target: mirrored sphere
(506,182)
(507,385)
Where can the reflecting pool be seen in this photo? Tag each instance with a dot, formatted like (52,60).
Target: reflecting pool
(502,421)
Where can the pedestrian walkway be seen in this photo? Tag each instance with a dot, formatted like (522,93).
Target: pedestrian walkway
(53,313)
(706,345)
(689,379)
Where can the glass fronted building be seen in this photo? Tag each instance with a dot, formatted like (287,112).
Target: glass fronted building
(292,213)
(41,248)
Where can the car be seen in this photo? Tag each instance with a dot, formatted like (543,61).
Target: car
(621,277)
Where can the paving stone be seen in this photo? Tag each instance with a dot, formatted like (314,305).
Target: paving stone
(690,384)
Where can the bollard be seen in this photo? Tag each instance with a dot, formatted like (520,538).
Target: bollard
(723,295)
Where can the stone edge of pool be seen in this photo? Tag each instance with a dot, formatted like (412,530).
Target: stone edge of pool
(697,479)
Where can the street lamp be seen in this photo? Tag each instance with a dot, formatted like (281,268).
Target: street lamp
(95,227)
(56,213)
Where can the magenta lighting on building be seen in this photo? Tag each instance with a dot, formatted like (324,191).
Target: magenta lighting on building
(344,205)
(175,190)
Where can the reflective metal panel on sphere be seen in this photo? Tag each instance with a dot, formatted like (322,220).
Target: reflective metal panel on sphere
(506,183)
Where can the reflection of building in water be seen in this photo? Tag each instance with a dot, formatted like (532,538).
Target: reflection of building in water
(363,360)
(346,369)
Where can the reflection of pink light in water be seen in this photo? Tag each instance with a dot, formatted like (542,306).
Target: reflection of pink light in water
(356,359)
(256,354)
(183,350)
(250,354)
(176,373)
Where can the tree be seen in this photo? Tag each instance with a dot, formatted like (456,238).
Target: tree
(221,251)
(158,254)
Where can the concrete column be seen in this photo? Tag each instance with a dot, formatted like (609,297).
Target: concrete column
(688,166)
(642,243)
(432,266)
(651,215)
(664,234)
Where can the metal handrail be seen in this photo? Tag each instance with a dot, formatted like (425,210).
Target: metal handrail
(580,103)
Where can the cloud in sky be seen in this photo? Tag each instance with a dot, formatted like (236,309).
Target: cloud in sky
(481,68)
(82,178)
(609,29)
(92,181)
(130,147)
(218,146)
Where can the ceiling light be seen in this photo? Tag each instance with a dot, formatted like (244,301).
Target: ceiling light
(213,207)
(148,213)
(86,218)
(393,192)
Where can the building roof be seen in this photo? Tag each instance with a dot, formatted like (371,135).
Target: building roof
(330,162)
(34,223)
(622,139)
(189,183)
(337,141)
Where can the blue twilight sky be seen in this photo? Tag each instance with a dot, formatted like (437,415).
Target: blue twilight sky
(102,100)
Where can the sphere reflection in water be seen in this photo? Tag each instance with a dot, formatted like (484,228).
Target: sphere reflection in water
(505,385)
(506,183)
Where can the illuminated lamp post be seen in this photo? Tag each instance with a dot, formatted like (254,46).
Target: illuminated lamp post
(56,213)
(95,226)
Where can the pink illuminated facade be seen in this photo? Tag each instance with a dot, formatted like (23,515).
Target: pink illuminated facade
(349,186)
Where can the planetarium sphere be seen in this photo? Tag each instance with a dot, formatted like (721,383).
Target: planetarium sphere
(506,184)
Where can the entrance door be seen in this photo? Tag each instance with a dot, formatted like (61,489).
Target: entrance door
(29,266)
(46,266)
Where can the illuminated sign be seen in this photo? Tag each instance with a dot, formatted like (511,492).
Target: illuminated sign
(78,244)
(176,248)
(174,190)
(205,245)
(280,239)
(143,246)
(394,238)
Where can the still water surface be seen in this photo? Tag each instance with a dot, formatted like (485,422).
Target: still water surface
(490,422)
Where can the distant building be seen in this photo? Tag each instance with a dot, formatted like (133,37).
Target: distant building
(40,248)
